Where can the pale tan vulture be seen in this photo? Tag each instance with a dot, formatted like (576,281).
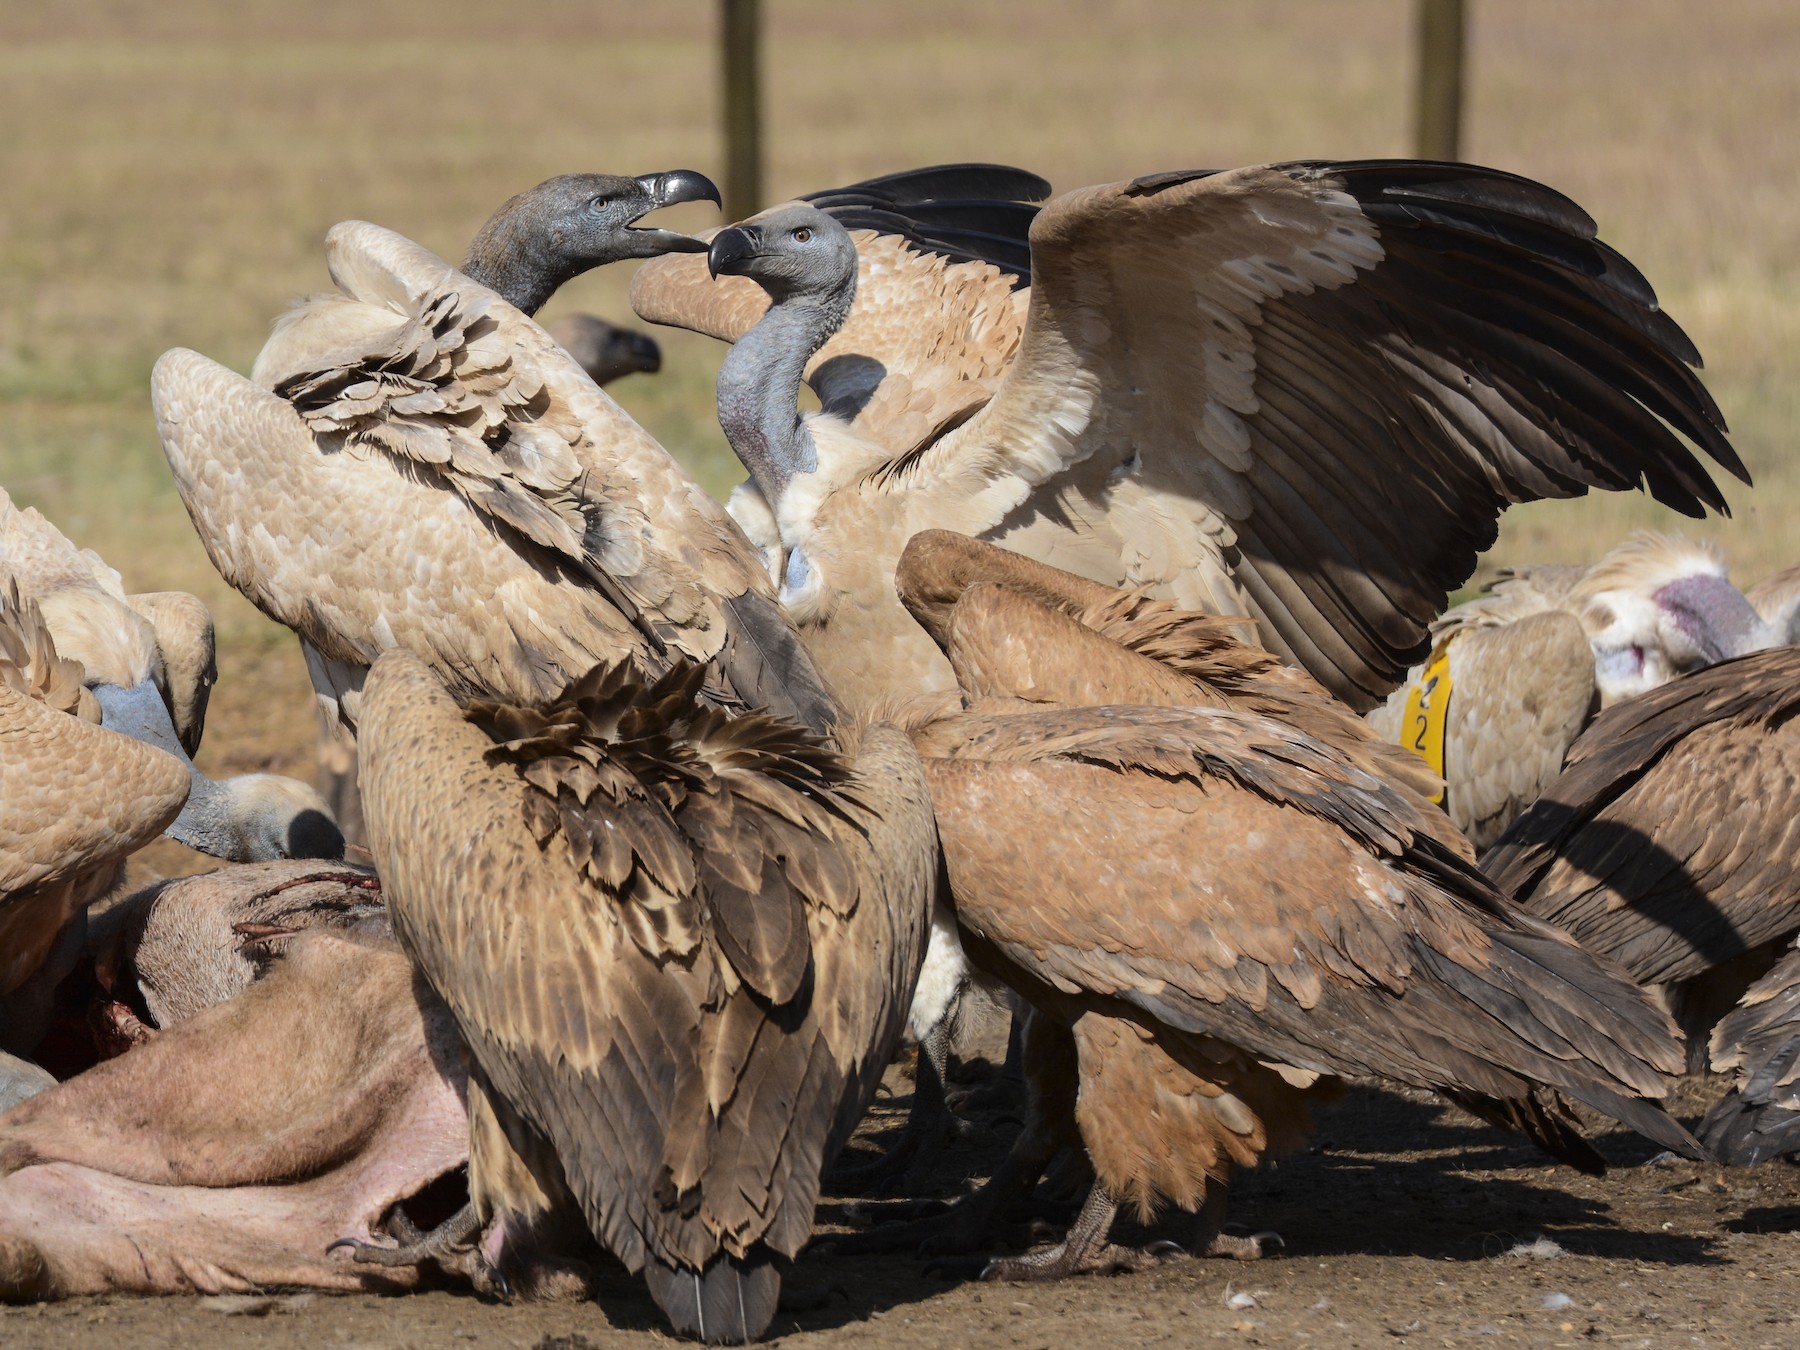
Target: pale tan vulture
(1669,843)
(1213,915)
(416,464)
(1300,392)
(1516,675)
(75,800)
(1777,600)
(149,662)
(679,946)
(1758,1044)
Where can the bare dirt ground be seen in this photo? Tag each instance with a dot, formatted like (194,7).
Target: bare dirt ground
(1407,1221)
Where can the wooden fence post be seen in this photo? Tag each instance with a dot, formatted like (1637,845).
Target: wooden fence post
(1439,80)
(740,53)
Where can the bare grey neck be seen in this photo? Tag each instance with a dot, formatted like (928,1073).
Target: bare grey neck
(759,386)
(511,258)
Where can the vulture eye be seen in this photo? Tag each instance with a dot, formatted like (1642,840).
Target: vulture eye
(802,234)
(600,203)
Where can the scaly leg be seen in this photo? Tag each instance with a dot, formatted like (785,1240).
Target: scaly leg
(1085,1250)
(448,1246)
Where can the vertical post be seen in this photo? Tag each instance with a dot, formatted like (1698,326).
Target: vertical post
(740,43)
(1439,80)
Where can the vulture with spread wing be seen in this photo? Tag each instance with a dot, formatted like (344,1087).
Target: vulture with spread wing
(1515,676)
(679,946)
(416,464)
(1669,843)
(1299,392)
(149,661)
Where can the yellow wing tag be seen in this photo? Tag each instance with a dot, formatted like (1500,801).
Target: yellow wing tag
(1427,707)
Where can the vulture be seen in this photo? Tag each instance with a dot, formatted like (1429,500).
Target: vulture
(1777,601)
(1015,628)
(1514,676)
(1214,915)
(679,945)
(1668,844)
(148,660)
(416,464)
(75,800)
(1299,393)
(604,350)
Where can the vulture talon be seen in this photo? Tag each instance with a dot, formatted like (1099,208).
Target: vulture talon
(448,1247)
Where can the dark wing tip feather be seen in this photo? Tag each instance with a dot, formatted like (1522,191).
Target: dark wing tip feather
(966,212)
(731,1302)
(941,182)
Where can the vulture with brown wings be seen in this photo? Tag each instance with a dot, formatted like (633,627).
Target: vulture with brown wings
(1669,843)
(680,947)
(1212,912)
(1299,392)
(1516,675)
(416,464)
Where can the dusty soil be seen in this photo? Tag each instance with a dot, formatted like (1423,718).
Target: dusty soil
(1404,1222)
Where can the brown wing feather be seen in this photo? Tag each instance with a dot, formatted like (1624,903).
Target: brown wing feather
(1315,924)
(575,882)
(1668,842)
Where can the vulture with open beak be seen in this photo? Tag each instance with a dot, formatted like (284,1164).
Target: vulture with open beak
(1668,845)
(416,464)
(148,660)
(1516,675)
(680,947)
(1298,392)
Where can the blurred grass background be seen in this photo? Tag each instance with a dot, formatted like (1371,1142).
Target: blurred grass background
(169,172)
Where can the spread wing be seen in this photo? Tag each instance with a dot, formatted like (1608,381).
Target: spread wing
(669,938)
(1310,388)
(1313,921)
(1668,842)
(939,307)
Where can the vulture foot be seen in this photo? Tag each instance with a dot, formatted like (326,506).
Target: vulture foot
(1085,1251)
(449,1247)
(1240,1245)
(930,1127)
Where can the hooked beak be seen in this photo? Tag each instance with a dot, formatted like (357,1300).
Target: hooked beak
(731,249)
(671,189)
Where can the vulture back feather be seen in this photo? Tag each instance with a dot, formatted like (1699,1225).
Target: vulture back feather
(680,946)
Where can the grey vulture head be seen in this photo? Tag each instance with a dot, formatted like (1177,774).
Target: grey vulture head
(575,222)
(605,350)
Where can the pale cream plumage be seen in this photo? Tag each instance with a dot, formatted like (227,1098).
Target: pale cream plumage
(432,472)
(1531,663)
(75,799)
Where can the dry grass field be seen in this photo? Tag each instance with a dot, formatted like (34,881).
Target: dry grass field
(168,172)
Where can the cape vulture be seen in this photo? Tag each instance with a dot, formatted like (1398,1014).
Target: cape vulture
(1668,844)
(1515,676)
(604,350)
(149,661)
(1211,913)
(1300,392)
(75,800)
(680,948)
(422,467)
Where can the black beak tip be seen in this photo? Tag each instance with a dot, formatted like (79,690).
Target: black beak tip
(680,185)
(729,251)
